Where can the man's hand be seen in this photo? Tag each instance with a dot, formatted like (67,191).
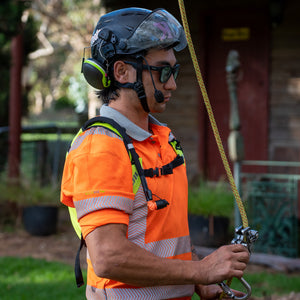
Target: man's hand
(226,262)
(212,292)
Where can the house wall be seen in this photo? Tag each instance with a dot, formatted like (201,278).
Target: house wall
(284,127)
(186,112)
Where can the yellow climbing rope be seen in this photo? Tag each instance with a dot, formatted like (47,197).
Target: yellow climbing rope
(211,115)
(212,122)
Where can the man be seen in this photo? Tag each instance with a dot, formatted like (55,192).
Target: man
(138,240)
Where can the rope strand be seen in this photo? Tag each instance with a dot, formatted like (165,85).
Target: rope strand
(213,124)
(211,116)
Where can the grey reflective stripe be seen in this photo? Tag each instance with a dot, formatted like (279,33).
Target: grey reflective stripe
(137,230)
(170,247)
(171,137)
(85,206)
(93,293)
(93,130)
(149,293)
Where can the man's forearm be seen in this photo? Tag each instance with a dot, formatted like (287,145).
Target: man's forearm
(124,261)
(115,257)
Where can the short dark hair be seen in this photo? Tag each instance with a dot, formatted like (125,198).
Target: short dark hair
(111,92)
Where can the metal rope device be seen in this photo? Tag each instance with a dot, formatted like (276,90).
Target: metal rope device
(245,235)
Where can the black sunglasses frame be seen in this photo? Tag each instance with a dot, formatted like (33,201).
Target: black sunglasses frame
(164,76)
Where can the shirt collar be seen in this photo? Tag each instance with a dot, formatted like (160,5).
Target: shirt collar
(132,129)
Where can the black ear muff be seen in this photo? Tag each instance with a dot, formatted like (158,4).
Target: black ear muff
(94,74)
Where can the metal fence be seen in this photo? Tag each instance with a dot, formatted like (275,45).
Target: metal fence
(272,203)
(42,153)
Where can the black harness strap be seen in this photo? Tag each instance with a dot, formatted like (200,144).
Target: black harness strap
(77,268)
(134,155)
(166,169)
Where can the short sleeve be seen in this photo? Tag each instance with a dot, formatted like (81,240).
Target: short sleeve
(98,177)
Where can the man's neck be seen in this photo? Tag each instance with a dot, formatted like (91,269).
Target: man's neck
(133,112)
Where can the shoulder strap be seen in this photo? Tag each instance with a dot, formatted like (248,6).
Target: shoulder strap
(152,204)
(77,268)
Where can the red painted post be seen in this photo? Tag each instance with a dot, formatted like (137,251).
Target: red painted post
(15,105)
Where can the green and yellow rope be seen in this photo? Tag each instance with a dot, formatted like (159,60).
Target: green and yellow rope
(212,121)
(211,116)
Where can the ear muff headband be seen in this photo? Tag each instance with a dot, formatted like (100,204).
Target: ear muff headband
(94,74)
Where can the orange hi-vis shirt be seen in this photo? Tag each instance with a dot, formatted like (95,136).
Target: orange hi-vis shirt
(98,182)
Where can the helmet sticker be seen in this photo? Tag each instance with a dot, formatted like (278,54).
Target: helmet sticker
(95,36)
(165,30)
(159,30)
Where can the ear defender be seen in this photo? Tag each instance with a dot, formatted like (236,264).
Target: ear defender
(94,74)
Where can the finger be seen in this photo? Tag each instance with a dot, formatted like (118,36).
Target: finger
(239,248)
(243,259)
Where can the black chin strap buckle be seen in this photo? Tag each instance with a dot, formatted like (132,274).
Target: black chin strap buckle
(139,88)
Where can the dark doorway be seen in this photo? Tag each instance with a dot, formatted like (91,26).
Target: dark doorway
(248,33)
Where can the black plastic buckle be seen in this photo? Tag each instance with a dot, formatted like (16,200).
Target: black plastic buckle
(151,172)
(167,169)
(155,172)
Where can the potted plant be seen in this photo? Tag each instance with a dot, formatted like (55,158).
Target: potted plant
(40,212)
(37,204)
(211,207)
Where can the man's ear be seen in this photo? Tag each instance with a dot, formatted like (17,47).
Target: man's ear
(123,72)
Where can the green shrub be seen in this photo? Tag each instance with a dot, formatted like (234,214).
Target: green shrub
(28,193)
(211,199)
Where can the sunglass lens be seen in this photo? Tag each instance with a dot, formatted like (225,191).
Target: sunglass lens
(166,73)
(176,71)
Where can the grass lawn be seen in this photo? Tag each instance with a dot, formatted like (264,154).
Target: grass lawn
(36,279)
(28,278)
(267,284)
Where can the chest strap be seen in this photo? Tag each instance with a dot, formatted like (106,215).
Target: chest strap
(166,169)
(152,204)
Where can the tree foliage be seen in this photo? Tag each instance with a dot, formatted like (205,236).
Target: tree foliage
(66,28)
(55,33)
(10,25)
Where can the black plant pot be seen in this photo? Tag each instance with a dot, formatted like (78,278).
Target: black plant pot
(40,220)
(209,231)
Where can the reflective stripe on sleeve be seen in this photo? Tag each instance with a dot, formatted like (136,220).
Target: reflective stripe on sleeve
(85,206)
(93,130)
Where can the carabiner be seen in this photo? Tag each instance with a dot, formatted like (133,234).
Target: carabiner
(245,237)
(231,294)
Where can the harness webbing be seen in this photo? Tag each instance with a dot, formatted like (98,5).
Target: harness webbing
(166,169)
(152,204)
(77,268)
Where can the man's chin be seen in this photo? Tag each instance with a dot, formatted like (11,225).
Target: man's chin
(159,107)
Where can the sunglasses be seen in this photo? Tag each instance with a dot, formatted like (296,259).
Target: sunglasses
(165,72)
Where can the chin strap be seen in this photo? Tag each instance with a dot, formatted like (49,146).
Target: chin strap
(138,85)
